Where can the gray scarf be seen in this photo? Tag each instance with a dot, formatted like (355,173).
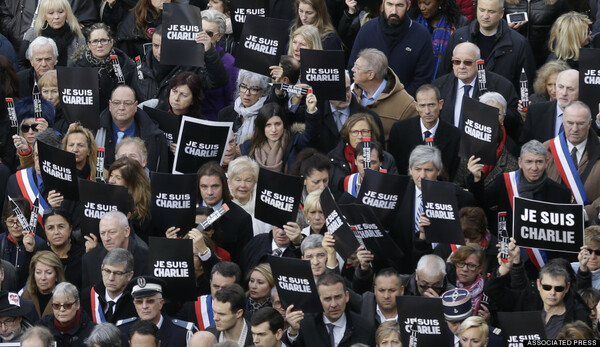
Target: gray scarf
(528,189)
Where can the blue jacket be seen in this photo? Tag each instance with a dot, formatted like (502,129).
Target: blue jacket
(12,253)
(411,57)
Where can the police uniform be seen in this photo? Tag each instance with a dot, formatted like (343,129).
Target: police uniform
(173,332)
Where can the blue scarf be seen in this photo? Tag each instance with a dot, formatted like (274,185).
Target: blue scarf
(439,38)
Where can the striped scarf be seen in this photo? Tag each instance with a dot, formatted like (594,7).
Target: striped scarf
(439,38)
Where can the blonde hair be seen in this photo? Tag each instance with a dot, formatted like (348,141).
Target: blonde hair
(47,258)
(49,79)
(567,34)
(310,33)
(76,128)
(323,20)
(547,70)
(312,202)
(48,5)
(474,322)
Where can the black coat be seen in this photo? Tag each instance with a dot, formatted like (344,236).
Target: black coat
(314,333)
(236,227)
(72,338)
(26,80)
(92,261)
(145,128)
(171,335)
(130,40)
(124,308)
(406,135)
(72,263)
(540,122)
(257,250)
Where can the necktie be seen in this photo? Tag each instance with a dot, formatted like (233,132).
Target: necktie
(109,311)
(330,327)
(120,136)
(277,252)
(427,134)
(418,214)
(562,127)
(337,116)
(574,156)
(466,93)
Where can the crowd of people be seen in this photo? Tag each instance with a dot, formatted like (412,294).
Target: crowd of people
(410,66)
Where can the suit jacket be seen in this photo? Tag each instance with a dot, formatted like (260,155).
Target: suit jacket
(313,331)
(406,135)
(494,83)
(236,227)
(124,307)
(403,230)
(540,122)
(257,250)
(171,335)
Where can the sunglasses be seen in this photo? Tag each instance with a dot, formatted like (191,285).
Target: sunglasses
(558,289)
(466,62)
(209,33)
(25,127)
(595,251)
(66,305)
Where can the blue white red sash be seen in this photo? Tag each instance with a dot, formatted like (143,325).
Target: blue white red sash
(567,169)
(204,312)
(30,190)
(97,314)
(511,180)
(350,184)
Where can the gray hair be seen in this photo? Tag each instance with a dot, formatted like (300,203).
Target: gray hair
(579,104)
(273,292)
(242,164)
(119,216)
(119,256)
(40,332)
(104,335)
(534,147)
(136,141)
(501,3)
(375,60)
(253,79)
(470,45)
(432,263)
(215,17)
(66,289)
(494,97)
(423,154)
(39,42)
(311,241)
(49,137)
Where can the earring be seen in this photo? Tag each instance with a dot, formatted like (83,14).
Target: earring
(45,26)
(440,7)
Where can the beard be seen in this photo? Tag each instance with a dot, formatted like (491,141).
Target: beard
(393,20)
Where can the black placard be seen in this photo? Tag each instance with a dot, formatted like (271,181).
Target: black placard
(546,225)
(422,322)
(277,197)
(172,260)
(324,72)
(199,141)
(589,77)
(58,170)
(78,91)
(518,327)
(167,122)
(441,207)
(295,284)
(480,134)
(262,43)
(367,226)
(383,193)
(346,242)
(181,24)
(239,9)
(173,205)
(96,199)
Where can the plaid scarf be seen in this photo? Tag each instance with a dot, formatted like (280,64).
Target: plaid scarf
(439,38)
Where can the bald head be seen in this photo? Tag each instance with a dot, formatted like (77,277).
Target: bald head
(567,87)
(464,61)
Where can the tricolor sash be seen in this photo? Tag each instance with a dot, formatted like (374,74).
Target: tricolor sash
(204,312)
(567,169)
(30,191)
(350,184)
(511,180)
(97,313)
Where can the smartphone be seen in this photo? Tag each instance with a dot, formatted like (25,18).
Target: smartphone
(516,17)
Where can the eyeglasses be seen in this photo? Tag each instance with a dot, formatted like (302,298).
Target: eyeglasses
(12,223)
(558,289)
(253,90)
(119,103)
(467,63)
(66,305)
(595,251)
(8,323)
(471,266)
(425,286)
(149,301)
(25,127)
(363,132)
(101,41)
(108,272)
(209,33)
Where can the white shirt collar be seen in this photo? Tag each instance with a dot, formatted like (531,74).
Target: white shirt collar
(580,149)
(108,298)
(160,322)
(382,317)
(340,323)
(432,130)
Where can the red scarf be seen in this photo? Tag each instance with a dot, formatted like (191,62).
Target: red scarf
(10,238)
(66,327)
(349,155)
(488,168)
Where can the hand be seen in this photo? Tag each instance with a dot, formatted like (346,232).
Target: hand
(28,241)
(311,103)
(351,6)
(423,222)
(475,168)
(42,124)
(173,148)
(597,116)
(583,257)
(198,241)
(328,243)
(430,293)
(484,313)
(276,73)
(517,25)
(365,257)
(55,198)
(111,3)
(293,231)
(297,97)
(514,257)
(21,143)
(171,233)
(203,38)
(91,242)
(293,318)
(521,112)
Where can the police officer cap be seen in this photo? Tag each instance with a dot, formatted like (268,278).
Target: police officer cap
(142,286)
